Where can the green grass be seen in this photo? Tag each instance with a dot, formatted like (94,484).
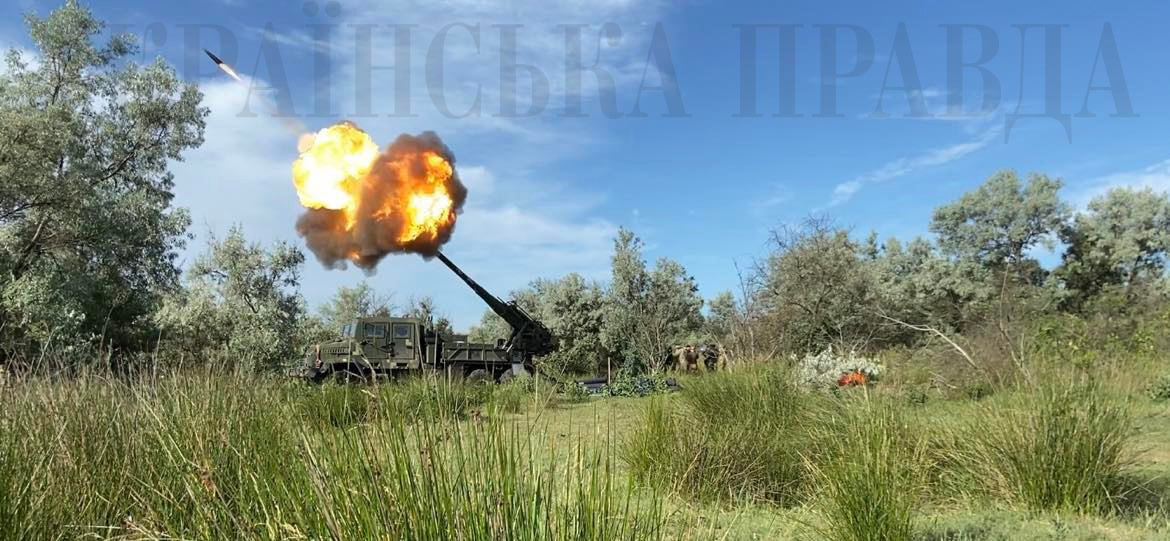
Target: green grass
(744,455)
(1062,447)
(867,472)
(727,437)
(221,457)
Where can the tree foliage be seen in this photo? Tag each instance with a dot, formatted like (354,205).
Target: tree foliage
(816,289)
(999,222)
(1122,241)
(349,303)
(425,309)
(88,236)
(572,308)
(240,306)
(647,311)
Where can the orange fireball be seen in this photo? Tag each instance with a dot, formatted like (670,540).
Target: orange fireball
(364,204)
(422,197)
(328,174)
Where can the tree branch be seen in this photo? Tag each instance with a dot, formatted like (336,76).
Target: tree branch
(928,329)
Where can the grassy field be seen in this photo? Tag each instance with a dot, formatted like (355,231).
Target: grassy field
(745,455)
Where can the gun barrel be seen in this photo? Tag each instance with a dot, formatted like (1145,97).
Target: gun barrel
(492,301)
(529,336)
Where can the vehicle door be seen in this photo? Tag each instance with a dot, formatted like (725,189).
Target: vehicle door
(375,340)
(404,343)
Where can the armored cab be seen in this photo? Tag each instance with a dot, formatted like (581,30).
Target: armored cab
(375,346)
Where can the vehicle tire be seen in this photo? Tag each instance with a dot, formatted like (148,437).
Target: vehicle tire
(479,375)
(351,376)
(507,376)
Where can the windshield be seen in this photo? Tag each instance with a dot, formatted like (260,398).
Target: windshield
(347,330)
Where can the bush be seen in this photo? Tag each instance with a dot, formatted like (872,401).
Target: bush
(1062,447)
(573,393)
(868,473)
(726,437)
(626,383)
(1160,390)
(522,393)
(825,369)
(916,397)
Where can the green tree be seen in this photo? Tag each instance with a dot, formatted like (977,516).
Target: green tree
(646,312)
(88,237)
(572,308)
(240,306)
(425,309)
(491,327)
(627,286)
(723,316)
(354,302)
(998,223)
(917,284)
(816,290)
(1121,241)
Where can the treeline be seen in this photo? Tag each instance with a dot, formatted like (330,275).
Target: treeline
(820,286)
(89,241)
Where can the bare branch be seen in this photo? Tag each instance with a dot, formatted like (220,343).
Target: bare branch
(938,333)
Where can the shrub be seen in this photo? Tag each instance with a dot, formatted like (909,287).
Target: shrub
(916,397)
(626,383)
(522,393)
(726,437)
(1160,390)
(573,393)
(825,369)
(1064,447)
(868,472)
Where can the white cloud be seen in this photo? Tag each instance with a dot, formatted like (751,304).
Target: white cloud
(31,59)
(478,179)
(241,173)
(778,195)
(472,70)
(900,167)
(1155,177)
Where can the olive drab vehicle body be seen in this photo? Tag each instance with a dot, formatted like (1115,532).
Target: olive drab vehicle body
(387,347)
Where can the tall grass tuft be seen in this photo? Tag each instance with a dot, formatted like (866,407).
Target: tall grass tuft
(1063,446)
(727,437)
(868,472)
(217,457)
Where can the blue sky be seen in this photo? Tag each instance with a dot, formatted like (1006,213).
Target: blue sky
(549,192)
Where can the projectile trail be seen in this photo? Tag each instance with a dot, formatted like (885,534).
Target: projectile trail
(223,66)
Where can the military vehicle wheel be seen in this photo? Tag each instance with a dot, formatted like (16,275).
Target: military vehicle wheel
(507,376)
(479,375)
(317,376)
(351,376)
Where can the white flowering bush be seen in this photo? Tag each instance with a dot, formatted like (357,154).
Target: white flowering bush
(826,368)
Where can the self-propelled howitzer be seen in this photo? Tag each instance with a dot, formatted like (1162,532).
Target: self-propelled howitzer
(376,347)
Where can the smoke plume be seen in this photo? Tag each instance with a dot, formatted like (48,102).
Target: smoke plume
(407,200)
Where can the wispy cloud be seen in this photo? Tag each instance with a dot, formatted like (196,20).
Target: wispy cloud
(778,195)
(897,105)
(1155,177)
(900,167)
